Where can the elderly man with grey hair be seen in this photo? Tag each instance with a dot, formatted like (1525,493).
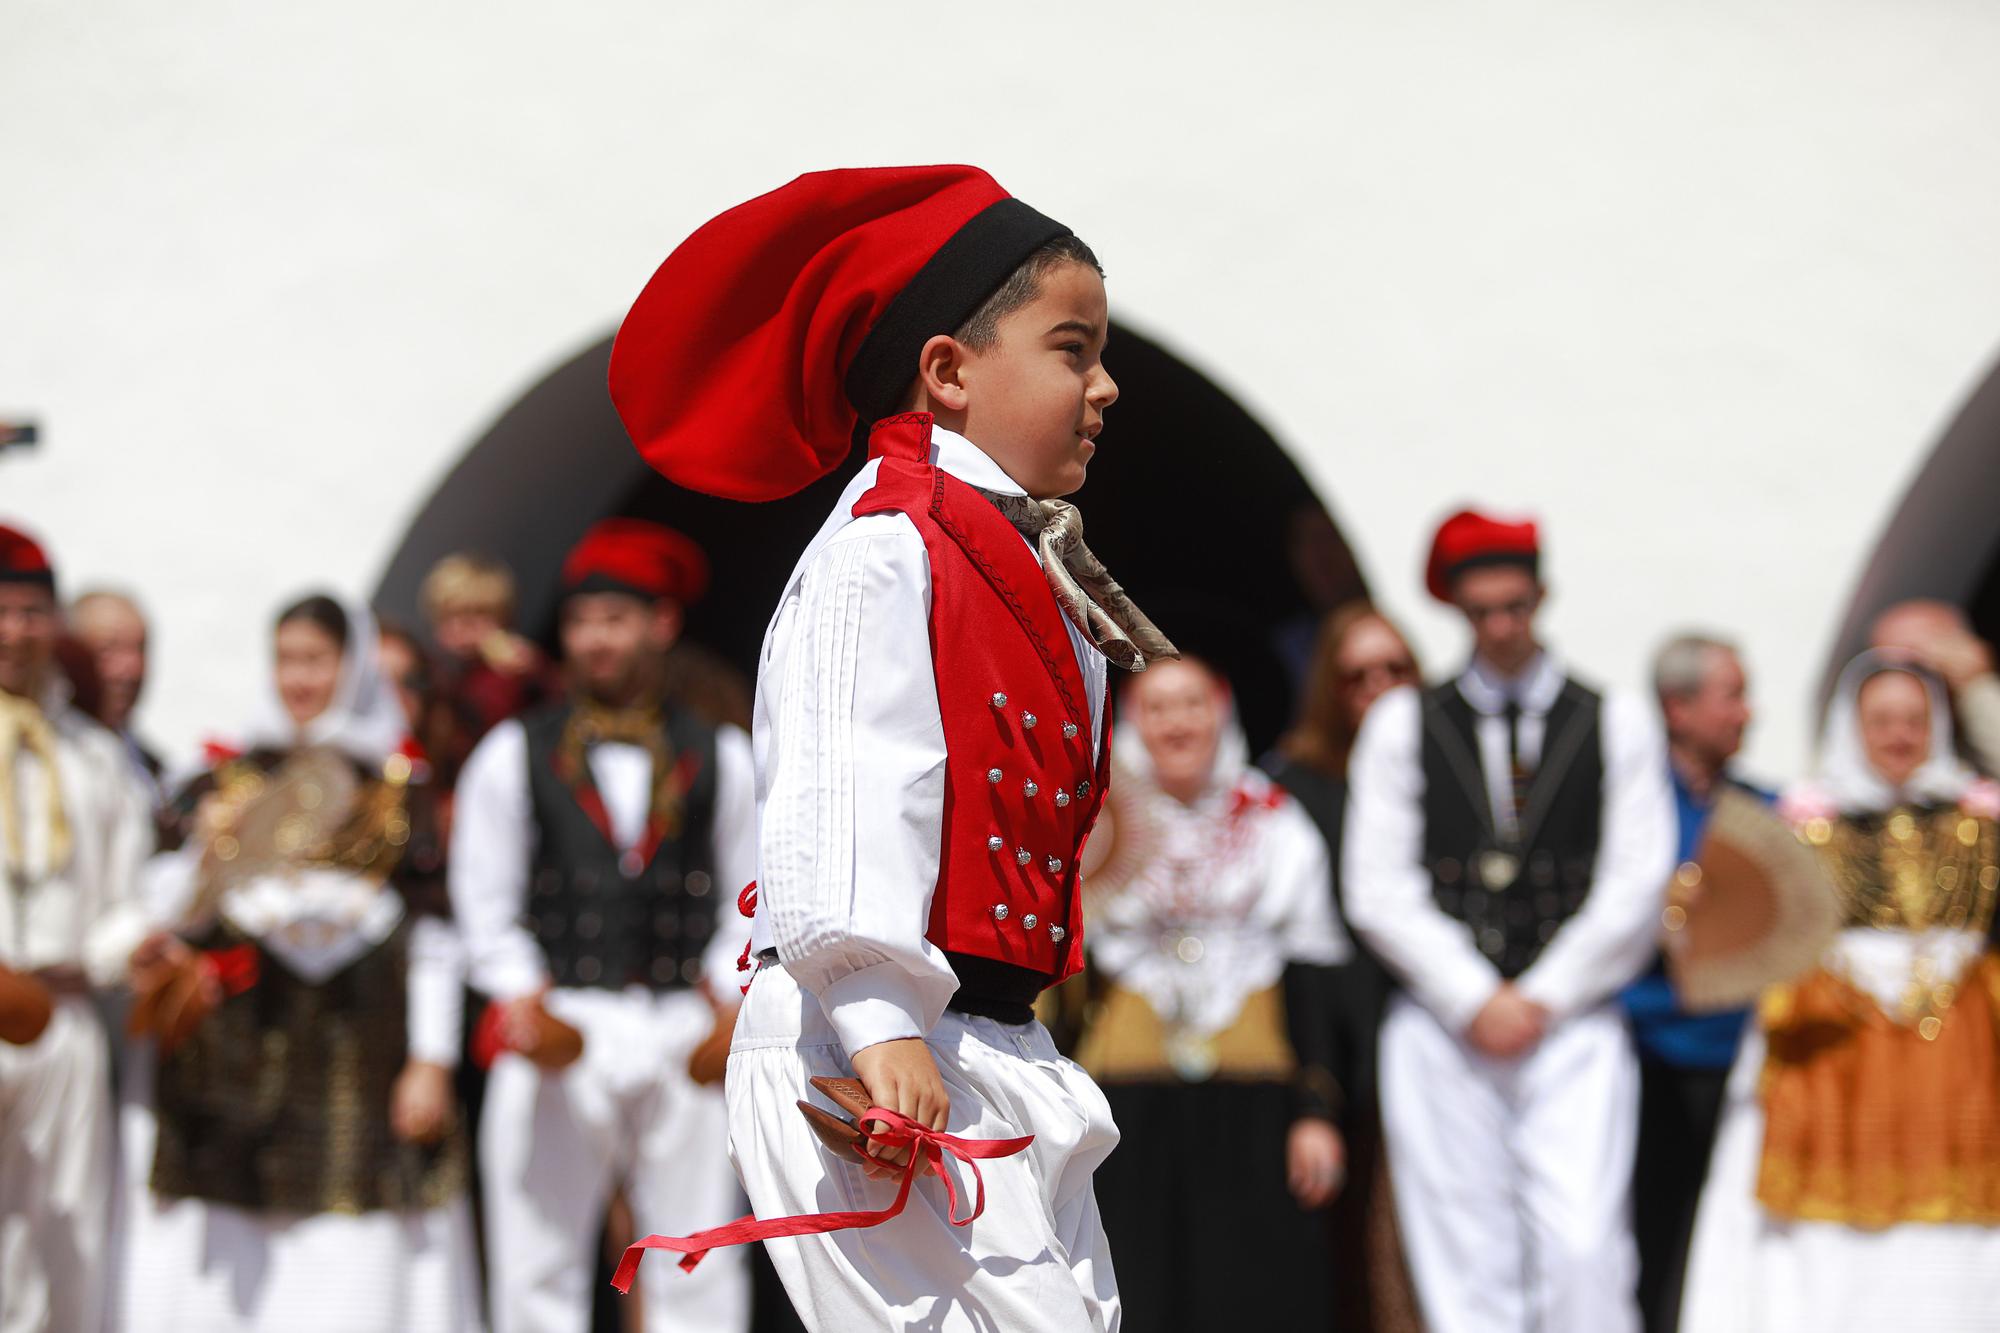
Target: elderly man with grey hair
(1684,1058)
(111,626)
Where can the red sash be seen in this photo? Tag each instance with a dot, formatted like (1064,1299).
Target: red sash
(927,1147)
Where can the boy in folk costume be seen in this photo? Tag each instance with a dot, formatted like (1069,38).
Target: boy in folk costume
(74,831)
(931,722)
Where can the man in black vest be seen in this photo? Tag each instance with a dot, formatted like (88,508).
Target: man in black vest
(1509,839)
(597,852)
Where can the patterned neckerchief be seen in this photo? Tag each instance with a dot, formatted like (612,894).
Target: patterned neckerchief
(25,729)
(1084,589)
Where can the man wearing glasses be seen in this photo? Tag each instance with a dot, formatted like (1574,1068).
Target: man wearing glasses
(1509,839)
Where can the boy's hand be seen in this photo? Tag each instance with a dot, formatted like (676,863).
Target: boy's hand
(902,1076)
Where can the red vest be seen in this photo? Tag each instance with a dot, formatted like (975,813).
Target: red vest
(1021,787)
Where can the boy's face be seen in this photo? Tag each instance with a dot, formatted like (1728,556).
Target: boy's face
(1035,397)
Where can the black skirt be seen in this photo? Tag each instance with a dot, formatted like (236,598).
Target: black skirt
(1203,1232)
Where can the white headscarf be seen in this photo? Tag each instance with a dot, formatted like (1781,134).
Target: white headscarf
(365,721)
(1850,782)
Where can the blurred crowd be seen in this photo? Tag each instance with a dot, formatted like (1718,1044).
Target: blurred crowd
(406,1002)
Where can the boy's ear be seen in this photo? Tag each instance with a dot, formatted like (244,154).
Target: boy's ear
(938,372)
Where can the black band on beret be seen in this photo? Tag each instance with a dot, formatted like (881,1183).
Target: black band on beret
(946,291)
(1528,560)
(596,581)
(43,577)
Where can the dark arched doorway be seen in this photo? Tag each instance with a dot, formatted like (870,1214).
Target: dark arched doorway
(1191,502)
(1944,539)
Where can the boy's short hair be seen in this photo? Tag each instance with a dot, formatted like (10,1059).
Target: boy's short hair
(1023,285)
(468,581)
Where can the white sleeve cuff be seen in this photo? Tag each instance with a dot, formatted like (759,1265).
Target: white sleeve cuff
(435,987)
(437,1009)
(1456,1005)
(508,974)
(876,1004)
(1548,991)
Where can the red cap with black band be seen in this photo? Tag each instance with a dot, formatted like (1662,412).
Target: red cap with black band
(768,343)
(638,558)
(1470,540)
(22,559)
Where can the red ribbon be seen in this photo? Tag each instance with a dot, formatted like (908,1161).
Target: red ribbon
(489,1035)
(236,969)
(926,1145)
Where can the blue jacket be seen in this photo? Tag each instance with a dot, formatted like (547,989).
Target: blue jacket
(1663,1030)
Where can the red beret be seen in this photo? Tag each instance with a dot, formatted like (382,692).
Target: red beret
(22,559)
(630,555)
(776,335)
(1469,539)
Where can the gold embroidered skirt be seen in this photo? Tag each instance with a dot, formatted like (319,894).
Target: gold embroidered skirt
(1869,1124)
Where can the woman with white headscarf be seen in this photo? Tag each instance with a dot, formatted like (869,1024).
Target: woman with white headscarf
(1856,1178)
(308,1172)
(1210,889)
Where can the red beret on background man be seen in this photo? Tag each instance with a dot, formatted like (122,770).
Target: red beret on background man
(771,340)
(22,559)
(645,560)
(1472,540)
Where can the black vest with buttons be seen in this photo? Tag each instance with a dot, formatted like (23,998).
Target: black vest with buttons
(1512,897)
(607,917)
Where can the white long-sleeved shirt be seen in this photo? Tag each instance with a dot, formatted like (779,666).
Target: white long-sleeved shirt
(494,836)
(850,755)
(87,912)
(1388,888)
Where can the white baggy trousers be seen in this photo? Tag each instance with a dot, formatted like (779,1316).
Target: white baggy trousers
(1513,1178)
(1036,1259)
(553,1146)
(55,1174)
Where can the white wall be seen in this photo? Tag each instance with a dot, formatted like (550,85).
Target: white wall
(1699,282)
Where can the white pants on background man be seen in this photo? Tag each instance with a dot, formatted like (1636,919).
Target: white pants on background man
(1513,1178)
(55,1174)
(554,1146)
